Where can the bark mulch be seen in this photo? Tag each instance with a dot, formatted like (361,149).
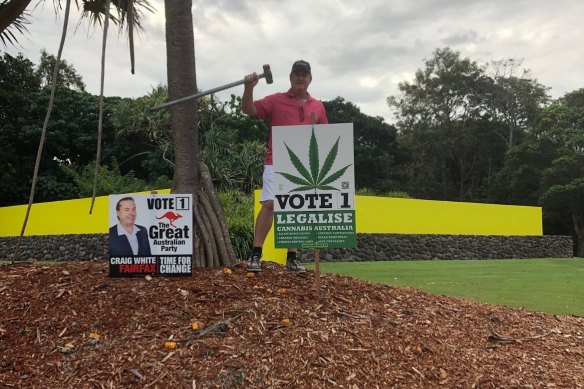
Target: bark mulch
(71,326)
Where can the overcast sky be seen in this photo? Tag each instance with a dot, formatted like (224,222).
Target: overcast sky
(359,50)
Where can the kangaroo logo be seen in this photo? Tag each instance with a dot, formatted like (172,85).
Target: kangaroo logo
(171,216)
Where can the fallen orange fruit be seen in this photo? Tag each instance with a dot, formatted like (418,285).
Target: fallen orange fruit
(227,271)
(282,291)
(170,344)
(197,325)
(250,274)
(286,322)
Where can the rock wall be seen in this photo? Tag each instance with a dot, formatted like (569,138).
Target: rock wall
(370,247)
(57,247)
(383,247)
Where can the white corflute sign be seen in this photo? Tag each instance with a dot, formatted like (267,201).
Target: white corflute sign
(314,185)
(150,234)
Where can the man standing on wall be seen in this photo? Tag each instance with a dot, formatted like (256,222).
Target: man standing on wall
(293,107)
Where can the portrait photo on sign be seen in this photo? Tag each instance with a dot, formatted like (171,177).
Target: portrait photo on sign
(128,231)
(150,234)
(151,224)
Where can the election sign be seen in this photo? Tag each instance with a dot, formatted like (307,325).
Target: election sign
(150,235)
(314,186)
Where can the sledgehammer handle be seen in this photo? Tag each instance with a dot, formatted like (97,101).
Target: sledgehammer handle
(267,74)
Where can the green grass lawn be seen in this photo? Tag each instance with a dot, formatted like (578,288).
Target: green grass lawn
(547,285)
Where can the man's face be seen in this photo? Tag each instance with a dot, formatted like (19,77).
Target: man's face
(127,213)
(300,79)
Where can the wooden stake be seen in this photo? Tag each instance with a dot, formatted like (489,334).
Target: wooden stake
(317,270)
(316,251)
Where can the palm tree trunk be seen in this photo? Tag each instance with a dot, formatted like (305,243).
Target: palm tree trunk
(180,54)
(213,240)
(100,120)
(44,130)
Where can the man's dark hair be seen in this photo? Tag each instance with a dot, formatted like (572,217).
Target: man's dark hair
(123,199)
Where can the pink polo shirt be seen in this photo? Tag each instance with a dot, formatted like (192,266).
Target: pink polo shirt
(282,109)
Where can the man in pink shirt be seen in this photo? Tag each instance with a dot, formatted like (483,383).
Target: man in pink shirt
(281,109)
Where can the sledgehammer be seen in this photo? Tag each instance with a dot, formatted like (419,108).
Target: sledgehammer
(267,74)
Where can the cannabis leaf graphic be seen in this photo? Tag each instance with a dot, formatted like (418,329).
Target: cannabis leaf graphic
(315,178)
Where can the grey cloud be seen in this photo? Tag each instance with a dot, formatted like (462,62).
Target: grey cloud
(344,40)
(461,37)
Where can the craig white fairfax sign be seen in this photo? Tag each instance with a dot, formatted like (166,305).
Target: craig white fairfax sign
(150,234)
(314,185)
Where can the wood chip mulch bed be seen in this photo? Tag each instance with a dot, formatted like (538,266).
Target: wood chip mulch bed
(71,326)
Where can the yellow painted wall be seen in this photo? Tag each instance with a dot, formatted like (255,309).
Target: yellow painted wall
(59,217)
(374,215)
(410,216)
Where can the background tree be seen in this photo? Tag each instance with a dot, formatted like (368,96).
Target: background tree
(227,139)
(67,76)
(564,199)
(518,180)
(229,115)
(11,12)
(190,174)
(19,84)
(514,101)
(71,138)
(562,185)
(377,153)
(439,117)
(146,135)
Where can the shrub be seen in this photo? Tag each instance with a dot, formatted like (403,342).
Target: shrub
(238,208)
(371,192)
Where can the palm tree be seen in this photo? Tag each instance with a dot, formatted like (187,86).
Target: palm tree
(213,246)
(128,14)
(190,174)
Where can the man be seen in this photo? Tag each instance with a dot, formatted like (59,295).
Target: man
(127,238)
(281,109)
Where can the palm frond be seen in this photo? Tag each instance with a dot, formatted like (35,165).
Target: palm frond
(18,25)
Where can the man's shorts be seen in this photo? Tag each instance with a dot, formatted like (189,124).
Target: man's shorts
(267,184)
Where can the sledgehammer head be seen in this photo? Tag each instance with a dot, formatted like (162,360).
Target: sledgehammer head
(268,74)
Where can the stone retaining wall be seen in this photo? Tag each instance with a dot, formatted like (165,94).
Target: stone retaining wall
(57,247)
(370,247)
(383,247)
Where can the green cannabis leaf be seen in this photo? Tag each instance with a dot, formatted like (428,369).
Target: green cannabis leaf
(317,177)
